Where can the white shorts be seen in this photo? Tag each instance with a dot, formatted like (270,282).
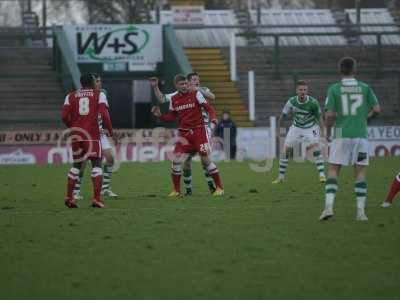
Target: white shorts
(105,142)
(348,151)
(307,136)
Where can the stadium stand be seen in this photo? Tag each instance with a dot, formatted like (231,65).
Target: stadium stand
(214,72)
(298,18)
(203,38)
(317,55)
(31,92)
(317,65)
(244,18)
(209,62)
(394,8)
(376,16)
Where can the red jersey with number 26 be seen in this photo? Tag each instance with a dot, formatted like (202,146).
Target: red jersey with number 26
(81,110)
(187,108)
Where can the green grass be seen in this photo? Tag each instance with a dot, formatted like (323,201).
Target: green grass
(259,242)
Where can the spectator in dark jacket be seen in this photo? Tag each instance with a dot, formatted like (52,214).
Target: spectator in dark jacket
(227,126)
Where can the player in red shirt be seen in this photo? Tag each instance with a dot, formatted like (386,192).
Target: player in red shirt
(80,114)
(394,189)
(194,83)
(186,107)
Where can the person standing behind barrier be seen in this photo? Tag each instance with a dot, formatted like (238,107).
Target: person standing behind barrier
(227,125)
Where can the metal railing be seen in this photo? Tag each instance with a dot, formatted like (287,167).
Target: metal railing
(175,60)
(281,26)
(64,61)
(377,69)
(18,37)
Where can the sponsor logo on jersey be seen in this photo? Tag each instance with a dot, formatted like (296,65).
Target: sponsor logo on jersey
(185,106)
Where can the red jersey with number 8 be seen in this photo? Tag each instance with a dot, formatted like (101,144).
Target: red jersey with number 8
(83,108)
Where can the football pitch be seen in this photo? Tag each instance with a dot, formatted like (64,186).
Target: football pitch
(259,241)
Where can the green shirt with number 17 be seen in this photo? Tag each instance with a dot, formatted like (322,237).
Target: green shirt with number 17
(351,100)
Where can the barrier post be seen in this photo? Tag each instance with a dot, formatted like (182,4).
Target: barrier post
(272,121)
(252,96)
(233,57)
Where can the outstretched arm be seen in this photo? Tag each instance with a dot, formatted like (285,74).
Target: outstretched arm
(170,116)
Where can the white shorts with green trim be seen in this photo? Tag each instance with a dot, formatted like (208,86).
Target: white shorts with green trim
(349,151)
(297,135)
(105,142)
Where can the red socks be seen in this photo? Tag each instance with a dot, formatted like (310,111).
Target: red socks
(214,173)
(73,176)
(394,189)
(97,180)
(176,180)
(176,173)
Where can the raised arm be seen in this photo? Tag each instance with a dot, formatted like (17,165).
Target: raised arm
(154,83)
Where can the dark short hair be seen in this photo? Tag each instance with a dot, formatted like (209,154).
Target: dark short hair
(301,82)
(87,80)
(347,65)
(190,75)
(179,77)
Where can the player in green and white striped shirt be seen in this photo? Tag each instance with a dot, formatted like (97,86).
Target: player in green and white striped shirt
(307,128)
(350,103)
